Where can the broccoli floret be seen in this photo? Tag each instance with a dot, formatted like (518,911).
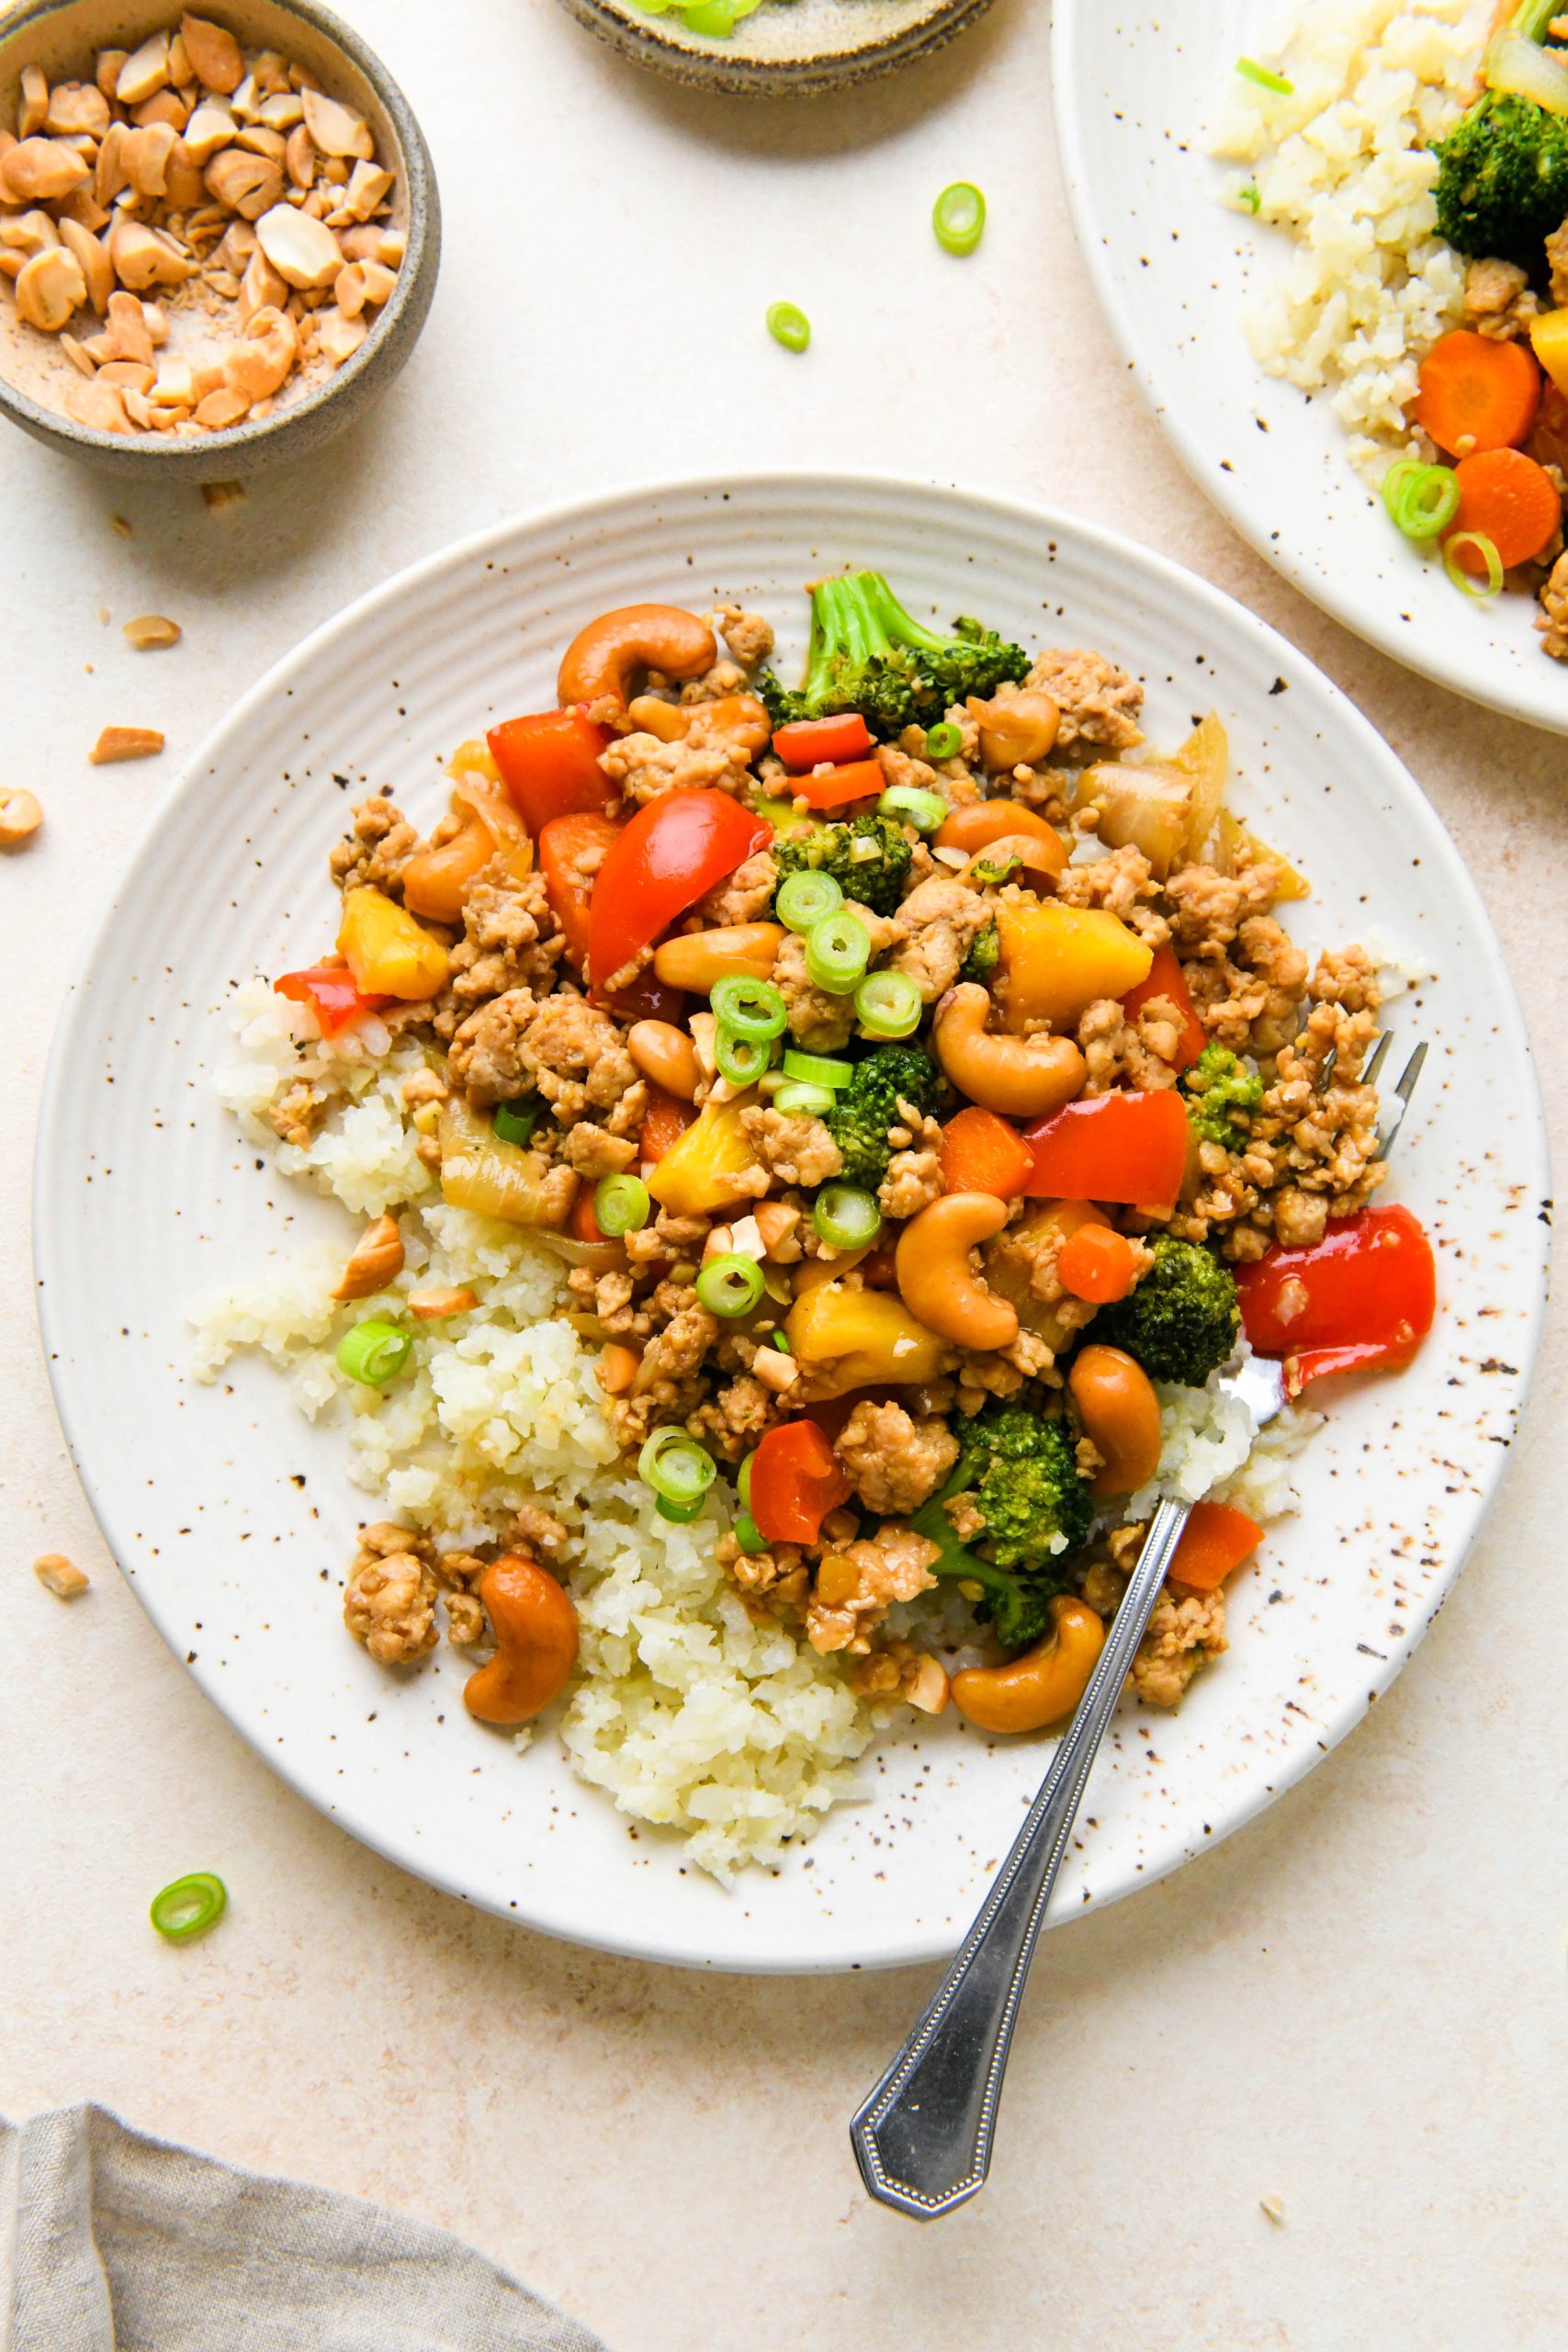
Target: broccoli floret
(1215,1086)
(864,1109)
(985,955)
(868,655)
(1021,1473)
(868,857)
(1502,170)
(1181,1321)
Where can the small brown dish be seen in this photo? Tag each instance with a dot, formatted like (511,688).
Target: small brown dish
(61,40)
(809,47)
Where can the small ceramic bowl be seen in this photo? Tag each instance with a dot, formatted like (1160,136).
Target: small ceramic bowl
(809,45)
(63,37)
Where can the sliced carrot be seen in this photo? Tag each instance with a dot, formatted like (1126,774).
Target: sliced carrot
(1215,1540)
(1097,1264)
(1476,394)
(1509,500)
(582,1224)
(980,1153)
(664,1123)
(832,787)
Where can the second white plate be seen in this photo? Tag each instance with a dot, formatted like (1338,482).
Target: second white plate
(1174,270)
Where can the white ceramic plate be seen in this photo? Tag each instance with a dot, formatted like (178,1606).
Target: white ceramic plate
(1173,270)
(235,1520)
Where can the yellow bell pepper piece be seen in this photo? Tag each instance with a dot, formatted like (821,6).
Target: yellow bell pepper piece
(388,953)
(858,1339)
(703,1170)
(1057,961)
(1549,340)
(474,758)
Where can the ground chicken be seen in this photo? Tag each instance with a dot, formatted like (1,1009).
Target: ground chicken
(1553,621)
(297,1112)
(745,896)
(1557,262)
(733,1420)
(772,1581)
(856,1588)
(390,1602)
(1182,1634)
(903,767)
(511,940)
(372,857)
(577,1055)
(895,1463)
(593,1152)
(535,1530)
(486,1060)
(793,1147)
(914,1178)
(749,637)
(1140,1053)
(668,1240)
(1211,907)
(1498,301)
(709,756)
(820,1022)
(1099,703)
(937,925)
(1122,884)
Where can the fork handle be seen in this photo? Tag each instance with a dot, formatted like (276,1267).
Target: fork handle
(922,2139)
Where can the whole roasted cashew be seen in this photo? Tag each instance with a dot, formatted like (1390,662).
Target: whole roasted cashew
(936,1280)
(436,880)
(1041,1686)
(535,1635)
(741,716)
(603,659)
(1120,1413)
(1023,1077)
(666,1054)
(696,959)
(1018,727)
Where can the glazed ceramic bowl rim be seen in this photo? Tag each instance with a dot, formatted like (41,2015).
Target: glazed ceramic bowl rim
(207,450)
(1232,1803)
(742,73)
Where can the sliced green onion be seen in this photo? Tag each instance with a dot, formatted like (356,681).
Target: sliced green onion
(781,1341)
(679,1470)
(742,1060)
(682,1513)
(845,1217)
(796,1100)
(788,324)
(188,1905)
(374,1351)
(730,1284)
(1489,555)
(749,1535)
(924,810)
(817,1069)
(1249,196)
(837,953)
(888,1005)
(749,1008)
(516,1122)
(958,216)
(944,741)
(621,1204)
(806,899)
(717,18)
(743,1482)
(1421,500)
(1250,71)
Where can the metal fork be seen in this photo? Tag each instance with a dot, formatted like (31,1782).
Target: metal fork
(922,2139)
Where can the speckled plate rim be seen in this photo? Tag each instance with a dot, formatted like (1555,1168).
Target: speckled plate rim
(1187,420)
(946,507)
(727,67)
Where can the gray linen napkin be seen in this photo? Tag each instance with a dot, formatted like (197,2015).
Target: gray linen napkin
(113,2242)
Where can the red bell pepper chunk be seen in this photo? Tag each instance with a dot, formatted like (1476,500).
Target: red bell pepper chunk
(664,1123)
(550,764)
(674,849)
(1166,979)
(807,743)
(980,1153)
(330,988)
(1123,1147)
(1363,1299)
(832,787)
(563,844)
(647,998)
(795,1481)
(1215,1540)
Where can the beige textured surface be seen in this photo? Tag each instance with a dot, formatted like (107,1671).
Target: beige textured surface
(1357,2005)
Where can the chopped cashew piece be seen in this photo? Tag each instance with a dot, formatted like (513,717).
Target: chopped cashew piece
(20,817)
(151,630)
(59,1576)
(378,1259)
(125,743)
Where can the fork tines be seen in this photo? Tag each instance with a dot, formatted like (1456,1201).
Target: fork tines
(1408,1078)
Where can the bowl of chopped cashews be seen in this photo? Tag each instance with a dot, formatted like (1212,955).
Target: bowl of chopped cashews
(673,1246)
(220,231)
(768,48)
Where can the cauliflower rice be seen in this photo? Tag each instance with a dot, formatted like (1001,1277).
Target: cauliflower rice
(685,1711)
(1343,163)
